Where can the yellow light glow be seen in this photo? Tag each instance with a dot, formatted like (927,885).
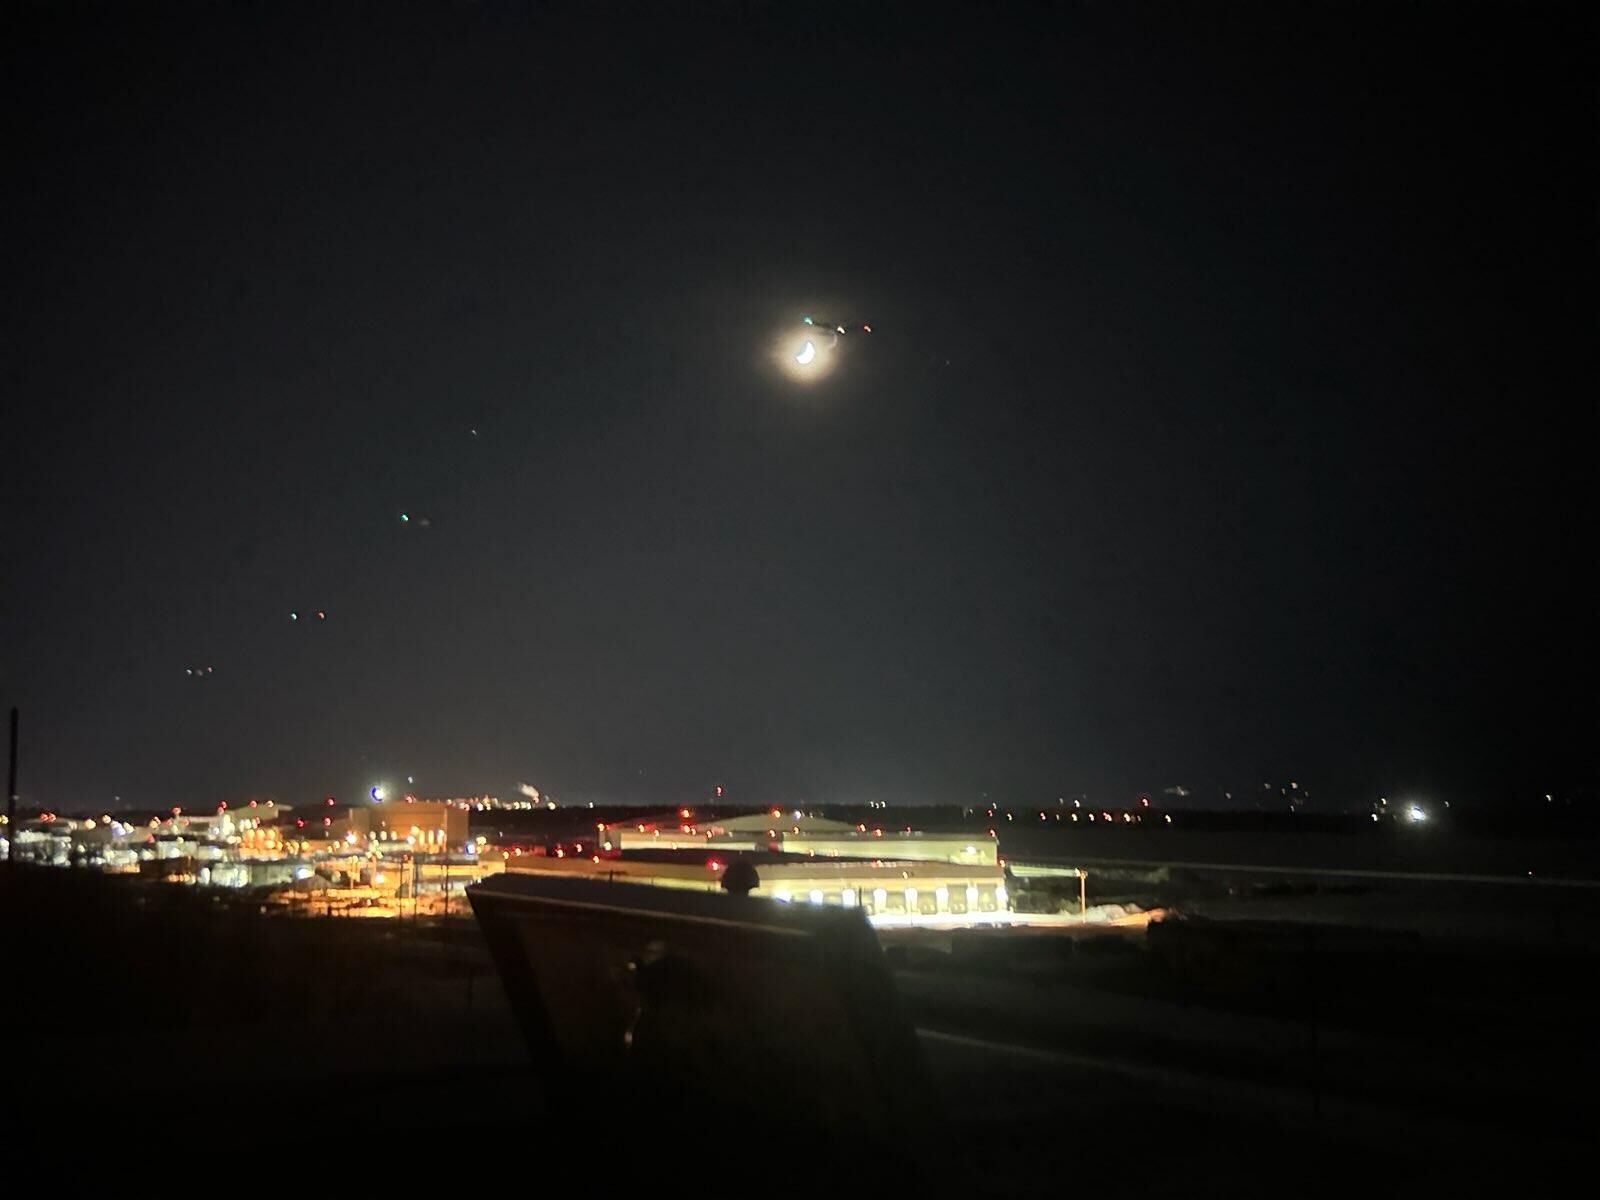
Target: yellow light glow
(804,354)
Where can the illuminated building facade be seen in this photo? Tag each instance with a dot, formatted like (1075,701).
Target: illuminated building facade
(794,832)
(889,890)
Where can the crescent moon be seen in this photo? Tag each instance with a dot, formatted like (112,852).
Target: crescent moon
(807,353)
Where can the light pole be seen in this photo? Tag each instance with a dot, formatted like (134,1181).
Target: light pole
(11,798)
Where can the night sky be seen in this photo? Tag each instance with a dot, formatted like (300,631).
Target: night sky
(1229,413)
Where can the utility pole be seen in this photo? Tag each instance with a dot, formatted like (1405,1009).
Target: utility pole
(11,801)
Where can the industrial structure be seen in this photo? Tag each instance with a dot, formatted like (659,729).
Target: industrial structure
(893,875)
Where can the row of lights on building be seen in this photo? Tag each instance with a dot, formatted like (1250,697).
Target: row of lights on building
(880,896)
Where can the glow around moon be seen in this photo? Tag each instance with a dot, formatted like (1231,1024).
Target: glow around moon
(802,356)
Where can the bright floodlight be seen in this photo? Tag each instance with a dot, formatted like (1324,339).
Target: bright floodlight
(1416,813)
(377,792)
(807,353)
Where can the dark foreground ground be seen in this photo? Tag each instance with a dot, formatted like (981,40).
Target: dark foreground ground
(1216,1057)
